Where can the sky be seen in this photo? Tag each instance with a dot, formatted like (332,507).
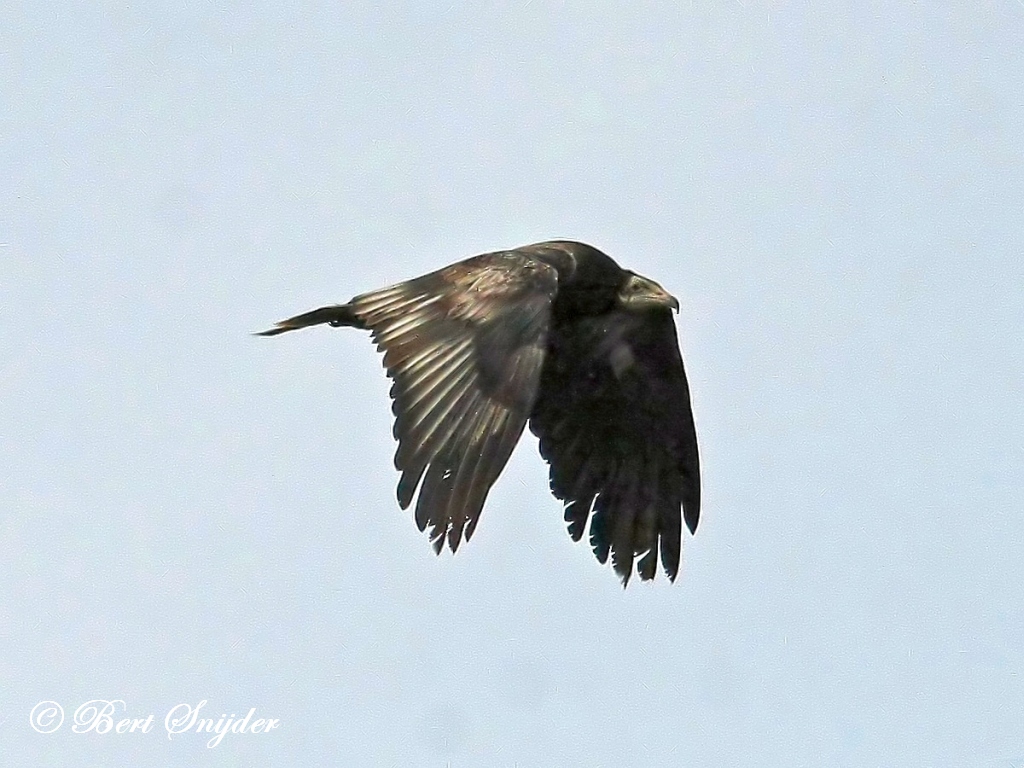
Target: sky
(189,513)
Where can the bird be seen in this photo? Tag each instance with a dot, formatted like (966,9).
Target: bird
(558,336)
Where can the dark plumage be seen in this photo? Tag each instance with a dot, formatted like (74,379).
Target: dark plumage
(558,335)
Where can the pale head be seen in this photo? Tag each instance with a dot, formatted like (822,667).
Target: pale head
(639,293)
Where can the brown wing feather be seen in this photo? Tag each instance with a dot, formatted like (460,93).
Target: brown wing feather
(464,347)
(614,421)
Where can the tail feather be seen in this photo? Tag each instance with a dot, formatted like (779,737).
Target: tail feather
(337,315)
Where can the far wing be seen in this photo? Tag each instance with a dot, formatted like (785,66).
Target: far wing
(464,346)
(614,421)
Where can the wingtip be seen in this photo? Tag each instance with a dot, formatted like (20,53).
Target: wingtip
(623,573)
(437,542)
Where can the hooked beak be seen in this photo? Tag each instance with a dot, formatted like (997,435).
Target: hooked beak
(642,293)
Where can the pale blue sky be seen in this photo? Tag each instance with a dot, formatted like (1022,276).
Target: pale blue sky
(833,191)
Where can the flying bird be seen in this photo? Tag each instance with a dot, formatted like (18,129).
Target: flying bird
(557,335)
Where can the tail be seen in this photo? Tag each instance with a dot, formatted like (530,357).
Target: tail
(336,315)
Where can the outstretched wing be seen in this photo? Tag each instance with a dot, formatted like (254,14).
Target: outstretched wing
(614,421)
(464,346)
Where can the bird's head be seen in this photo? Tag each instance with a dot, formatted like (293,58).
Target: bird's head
(638,293)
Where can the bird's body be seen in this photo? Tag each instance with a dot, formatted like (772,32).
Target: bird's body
(553,334)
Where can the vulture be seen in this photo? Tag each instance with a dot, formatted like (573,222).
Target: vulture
(557,335)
